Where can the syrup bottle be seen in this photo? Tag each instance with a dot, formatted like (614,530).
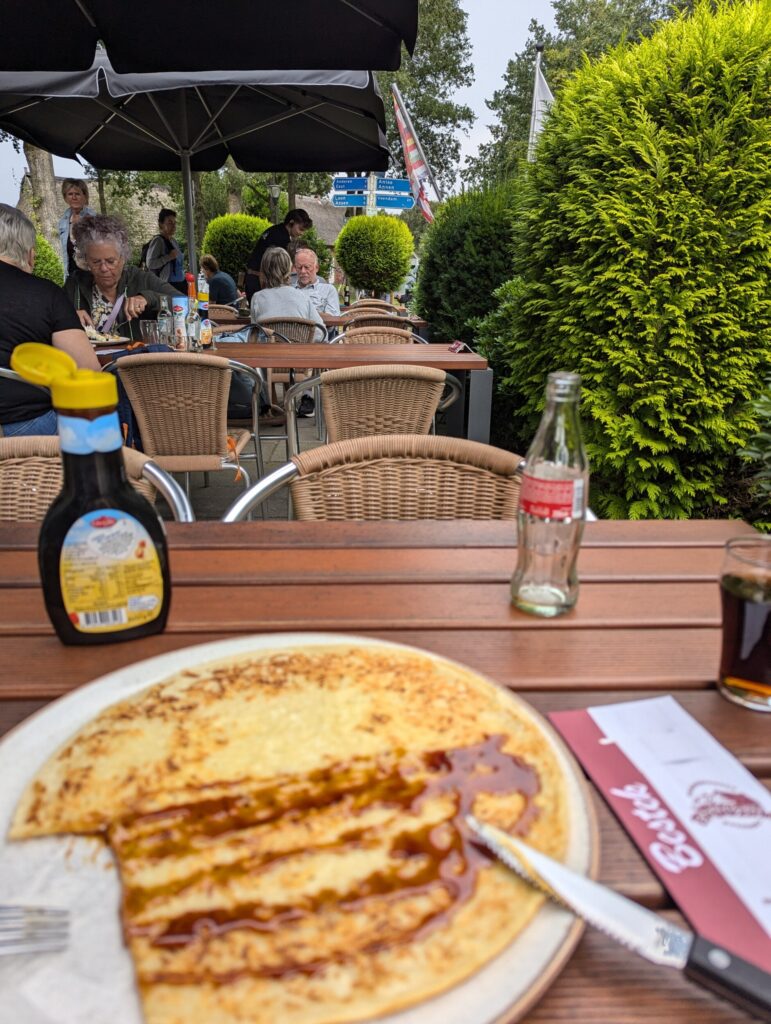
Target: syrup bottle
(102,548)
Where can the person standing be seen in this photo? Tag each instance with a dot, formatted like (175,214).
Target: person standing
(165,257)
(31,308)
(296,223)
(75,192)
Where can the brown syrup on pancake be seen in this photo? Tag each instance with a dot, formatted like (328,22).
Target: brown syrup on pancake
(421,860)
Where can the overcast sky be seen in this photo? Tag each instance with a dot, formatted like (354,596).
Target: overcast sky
(497,29)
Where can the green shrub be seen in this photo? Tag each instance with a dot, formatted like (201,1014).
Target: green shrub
(375,252)
(231,238)
(313,240)
(465,256)
(643,242)
(758,453)
(47,262)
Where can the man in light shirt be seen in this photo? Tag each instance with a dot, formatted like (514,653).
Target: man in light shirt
(323,296)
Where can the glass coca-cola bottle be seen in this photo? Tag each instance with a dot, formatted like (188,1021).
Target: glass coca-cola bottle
(552,505)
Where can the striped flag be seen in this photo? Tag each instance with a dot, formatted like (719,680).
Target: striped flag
(418,170)
(542,101)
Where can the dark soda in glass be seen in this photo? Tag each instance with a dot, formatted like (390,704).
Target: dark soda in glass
(745,663)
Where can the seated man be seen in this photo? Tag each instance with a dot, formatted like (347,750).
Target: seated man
(222,287)
(323,296)
(31,309)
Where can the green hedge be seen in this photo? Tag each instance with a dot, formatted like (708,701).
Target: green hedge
(375,252)
(643,243)
(47,262)
(231,238)
(465,256)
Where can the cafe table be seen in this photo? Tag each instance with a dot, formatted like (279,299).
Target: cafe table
(647,623)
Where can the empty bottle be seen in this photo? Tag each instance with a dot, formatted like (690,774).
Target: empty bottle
(552,505)
(165,323)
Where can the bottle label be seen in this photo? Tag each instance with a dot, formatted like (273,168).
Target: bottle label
(552,499)
(79,436)
(203,302)
(110,573)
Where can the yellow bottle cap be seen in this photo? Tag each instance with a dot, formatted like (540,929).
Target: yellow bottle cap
(71,388)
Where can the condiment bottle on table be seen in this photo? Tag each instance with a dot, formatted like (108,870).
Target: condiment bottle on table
(102,548)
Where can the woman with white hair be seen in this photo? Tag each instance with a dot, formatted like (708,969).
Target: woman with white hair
(110,293)
(31,309)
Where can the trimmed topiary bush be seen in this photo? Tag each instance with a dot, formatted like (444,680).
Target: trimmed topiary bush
(231,238)
(313,240)
(643,243)
(465,256)
(375,252)
(47,262)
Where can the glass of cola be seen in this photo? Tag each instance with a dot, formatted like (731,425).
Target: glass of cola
(745,589)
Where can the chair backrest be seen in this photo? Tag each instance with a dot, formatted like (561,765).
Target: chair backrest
(377,336)
(373,304)
(223,314)
(362,401)
(31,476)
(373,319)
(180,401)
(293,328)
(406,476)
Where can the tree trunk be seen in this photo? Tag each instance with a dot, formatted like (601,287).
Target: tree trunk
(290,189)
(235,205)
(100,190)
(46,201)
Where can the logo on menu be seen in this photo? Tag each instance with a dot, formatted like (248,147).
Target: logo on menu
(726,803)
(670,846)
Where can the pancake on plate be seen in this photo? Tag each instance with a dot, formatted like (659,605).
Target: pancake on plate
(289,830)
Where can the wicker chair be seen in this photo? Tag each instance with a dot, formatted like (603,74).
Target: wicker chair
(376,305)
(180,402)
(291,329)
(31,477)
(371,318)
(377,336)
(403,476)
(367,401)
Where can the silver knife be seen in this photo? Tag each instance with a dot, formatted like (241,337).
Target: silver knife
(642,931)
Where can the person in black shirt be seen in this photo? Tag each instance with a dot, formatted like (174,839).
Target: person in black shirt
(31,309)
(295,224)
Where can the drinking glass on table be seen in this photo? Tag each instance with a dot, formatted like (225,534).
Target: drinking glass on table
(149,329)
(745,589)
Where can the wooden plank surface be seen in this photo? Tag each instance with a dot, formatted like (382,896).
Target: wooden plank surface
(322,356)
(647,622)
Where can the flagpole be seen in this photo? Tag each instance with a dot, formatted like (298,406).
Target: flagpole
(411,130)
(534,107)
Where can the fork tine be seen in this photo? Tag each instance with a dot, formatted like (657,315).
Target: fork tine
(33,929)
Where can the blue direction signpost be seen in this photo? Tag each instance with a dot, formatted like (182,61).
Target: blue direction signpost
(395,202)
(342,184)
(393,185)
(349,200)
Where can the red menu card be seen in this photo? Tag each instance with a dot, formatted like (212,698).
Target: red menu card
(699,818)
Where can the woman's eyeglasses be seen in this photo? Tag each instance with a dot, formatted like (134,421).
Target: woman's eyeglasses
(111,262)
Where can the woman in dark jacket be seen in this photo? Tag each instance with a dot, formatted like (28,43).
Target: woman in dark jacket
(110,293)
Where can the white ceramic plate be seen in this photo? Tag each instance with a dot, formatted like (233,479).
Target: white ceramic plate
(92,981)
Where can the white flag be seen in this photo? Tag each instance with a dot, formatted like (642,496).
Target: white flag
(542,101)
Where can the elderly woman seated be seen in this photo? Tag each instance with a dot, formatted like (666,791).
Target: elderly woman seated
(110,293)
(31,309)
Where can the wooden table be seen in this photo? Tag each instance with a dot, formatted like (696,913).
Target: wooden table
(647,622)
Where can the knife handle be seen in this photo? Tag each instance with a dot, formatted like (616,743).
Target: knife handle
(730,977)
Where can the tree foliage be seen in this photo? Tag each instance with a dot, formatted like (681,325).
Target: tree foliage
(427,79)
(642,251)
(231,238)
(465,257)
(47,262)
(758,453)
(375,252)
(584,28)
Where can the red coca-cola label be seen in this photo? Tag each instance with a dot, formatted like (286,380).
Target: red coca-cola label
(551,499)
